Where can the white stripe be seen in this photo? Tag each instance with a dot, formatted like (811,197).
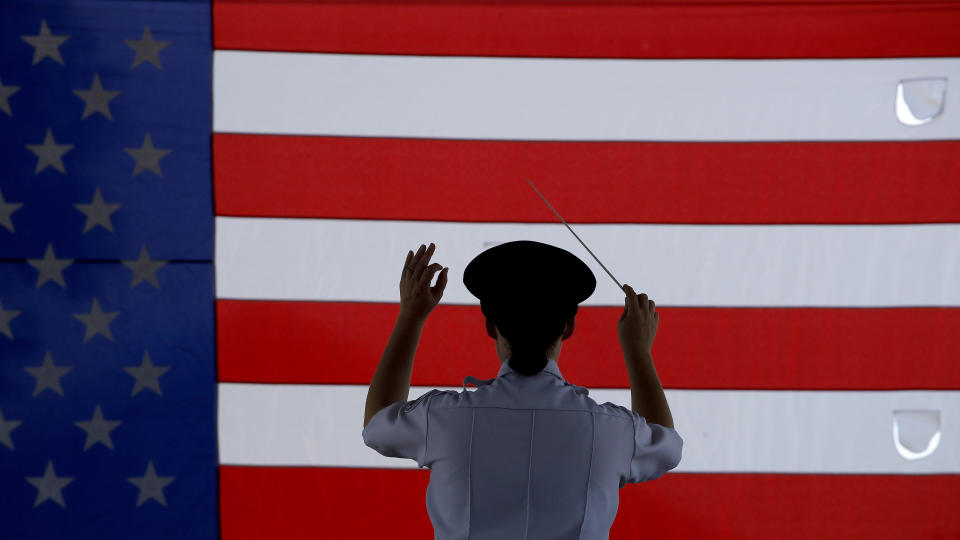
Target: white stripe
(676,265)
(723,431)
(572,99)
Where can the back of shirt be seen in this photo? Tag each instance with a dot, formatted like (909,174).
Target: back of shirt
(530,458)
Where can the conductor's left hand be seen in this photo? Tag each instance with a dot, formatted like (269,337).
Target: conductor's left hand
(417,297)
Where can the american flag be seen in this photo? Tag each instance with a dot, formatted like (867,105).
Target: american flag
(204,212)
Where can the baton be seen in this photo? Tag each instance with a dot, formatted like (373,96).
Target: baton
(575,234)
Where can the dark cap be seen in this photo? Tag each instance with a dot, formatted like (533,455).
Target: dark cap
(526,278)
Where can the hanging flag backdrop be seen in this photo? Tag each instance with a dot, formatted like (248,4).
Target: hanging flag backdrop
(205,209)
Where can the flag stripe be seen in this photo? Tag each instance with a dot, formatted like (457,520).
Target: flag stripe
(743,506)
(677,265)
(570,99)
(696,348)
(596,182)
(828,432)
(780,29)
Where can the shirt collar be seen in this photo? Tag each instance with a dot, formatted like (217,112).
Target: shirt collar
(551,368)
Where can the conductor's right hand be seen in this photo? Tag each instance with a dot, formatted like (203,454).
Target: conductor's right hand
(638,325)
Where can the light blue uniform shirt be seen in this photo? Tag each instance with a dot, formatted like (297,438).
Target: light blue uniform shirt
(523,457)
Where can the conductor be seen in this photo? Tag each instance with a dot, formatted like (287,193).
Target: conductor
(529,455)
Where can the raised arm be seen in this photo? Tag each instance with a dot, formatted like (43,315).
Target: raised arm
(636,329)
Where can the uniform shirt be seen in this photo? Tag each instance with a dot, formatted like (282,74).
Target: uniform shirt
(523,457)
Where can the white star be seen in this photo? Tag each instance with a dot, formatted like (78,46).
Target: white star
(147,49)
(48,375)
(5,92)
(97,212)
(49,153)
(96,99)
(97,321)
(50,268)
(98,430)
(147,157)
(6,209)
(147,375)
(144,269)
(6,426)
(49,486)
(45,44)
(151,486)
(5,317)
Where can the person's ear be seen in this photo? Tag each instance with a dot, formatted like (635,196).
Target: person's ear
(491,329)
(569,330)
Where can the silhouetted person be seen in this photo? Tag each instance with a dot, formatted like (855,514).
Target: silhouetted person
(529,455)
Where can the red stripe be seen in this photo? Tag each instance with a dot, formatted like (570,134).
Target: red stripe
(593,30)
(313,503)
(596,182)
(696,348)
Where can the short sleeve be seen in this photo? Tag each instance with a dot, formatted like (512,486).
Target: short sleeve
(654,450)
(400,429)
(657,449)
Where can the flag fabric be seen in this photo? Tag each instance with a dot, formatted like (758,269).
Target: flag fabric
(780,177)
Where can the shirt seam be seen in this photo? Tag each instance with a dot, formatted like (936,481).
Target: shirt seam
(529,409)
(473,422)
(586,499)
(426,434)
(526,525)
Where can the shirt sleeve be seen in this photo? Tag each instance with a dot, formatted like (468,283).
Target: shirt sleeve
(654,449)
(400,429)
(657,449)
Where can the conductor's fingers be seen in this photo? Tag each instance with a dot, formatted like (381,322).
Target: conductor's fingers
(630,298)
(428,273)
